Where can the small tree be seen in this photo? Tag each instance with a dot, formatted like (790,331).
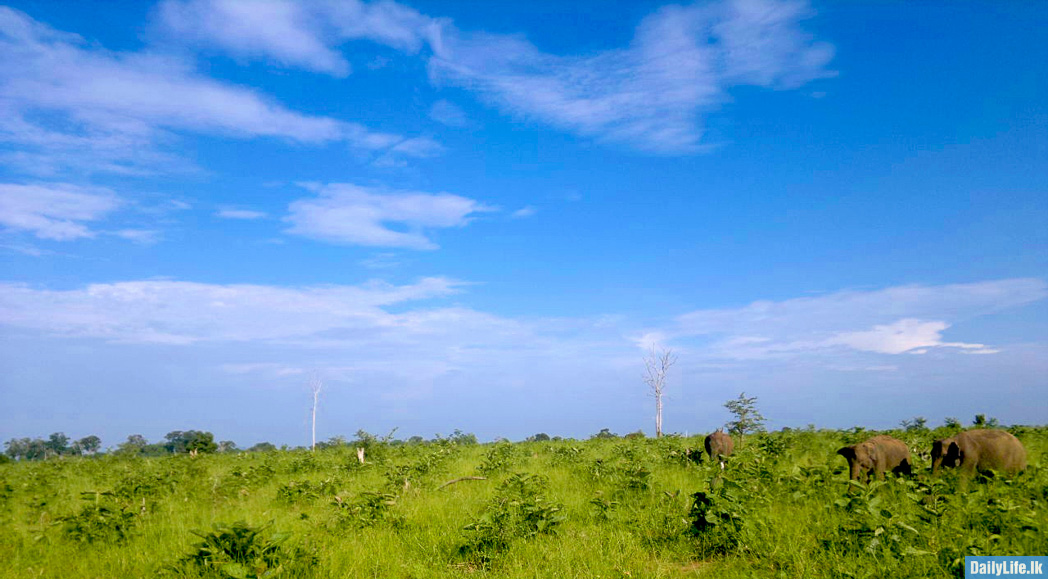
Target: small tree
(227,446)
(134,444)
(747,418)
(657,367)
(262,447)
(917,424)
(57,443)
(89,444)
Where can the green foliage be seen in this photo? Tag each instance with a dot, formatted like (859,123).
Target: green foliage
(747,418)
(370,508)
(518,511)
(241,551)
(190,441)
(102,519)
(501,457)
(609,507)
(305,490)
(916,424)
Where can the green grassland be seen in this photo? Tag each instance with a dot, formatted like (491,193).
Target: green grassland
(614,508)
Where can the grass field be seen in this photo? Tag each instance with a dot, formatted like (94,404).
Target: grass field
(614,508)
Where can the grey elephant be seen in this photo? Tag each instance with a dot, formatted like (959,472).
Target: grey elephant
(877,456)
(979,450)
(719,445)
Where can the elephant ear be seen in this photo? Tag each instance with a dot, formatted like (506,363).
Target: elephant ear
(847,452)
(954,452)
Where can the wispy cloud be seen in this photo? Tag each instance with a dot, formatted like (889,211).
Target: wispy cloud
(652,95)
(294,34)
(904,336)
(285,33)
(417,346)
(897,320)
(524,212)
(447,113)
(60,97)
(173,312)
(351,214)
(58,212)
(139,236)
(245,214)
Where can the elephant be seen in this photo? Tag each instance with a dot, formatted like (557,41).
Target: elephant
(876,456)
(982,450)
(719,445)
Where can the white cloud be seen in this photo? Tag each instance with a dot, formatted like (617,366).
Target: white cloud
(903,319)
(65,102)
(384,260)
(400,343)
(524,212)
(299,34)
(174,312)
(240,214)
(651,95)
(908,335)
(284,32)
(346,213)
(54,211)
(447,113)
(140,236)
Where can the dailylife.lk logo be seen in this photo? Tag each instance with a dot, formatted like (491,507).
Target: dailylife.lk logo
(1004,566)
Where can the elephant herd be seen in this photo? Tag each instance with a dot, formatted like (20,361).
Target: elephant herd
(970,451)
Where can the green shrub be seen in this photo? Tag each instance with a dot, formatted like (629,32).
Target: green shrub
(518,511)
(240,551)
(102,519)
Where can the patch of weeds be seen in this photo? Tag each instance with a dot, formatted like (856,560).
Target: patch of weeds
(102,519)
(721,517)
(305,490)
(663,522)
(137,484)
(241,551)
(500,458)
(368,510)
(518,511)
(872,526)
(603,507)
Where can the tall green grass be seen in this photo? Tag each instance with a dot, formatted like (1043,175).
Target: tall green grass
(599,508)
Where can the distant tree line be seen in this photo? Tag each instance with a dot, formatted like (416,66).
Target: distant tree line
(58,444)
(176,442)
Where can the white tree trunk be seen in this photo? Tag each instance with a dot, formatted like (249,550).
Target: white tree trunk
(315,384)
(658,367)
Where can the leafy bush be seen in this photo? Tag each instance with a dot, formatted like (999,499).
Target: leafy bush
(240,551)
(305,490)
(500,458)
(518,511)
(102,519)
(371,508)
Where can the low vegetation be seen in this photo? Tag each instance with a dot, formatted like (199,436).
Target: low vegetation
(605,507)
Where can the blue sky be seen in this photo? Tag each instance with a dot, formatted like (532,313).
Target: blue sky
(480,215)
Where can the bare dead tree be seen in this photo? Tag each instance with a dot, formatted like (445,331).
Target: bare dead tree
(658,367)
(315,384)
